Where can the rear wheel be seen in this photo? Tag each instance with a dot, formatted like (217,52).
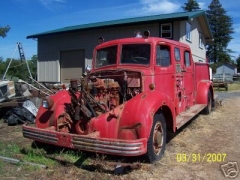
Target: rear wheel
(157,139)
(208,108)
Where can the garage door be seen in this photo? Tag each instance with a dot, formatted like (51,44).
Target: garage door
(72,63)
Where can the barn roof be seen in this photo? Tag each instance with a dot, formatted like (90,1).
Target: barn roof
(230,66)
(137,20)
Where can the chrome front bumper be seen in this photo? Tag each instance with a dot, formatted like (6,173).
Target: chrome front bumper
(86,142)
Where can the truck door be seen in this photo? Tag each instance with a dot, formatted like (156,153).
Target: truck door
(164,69)
(179,82)
(184,79)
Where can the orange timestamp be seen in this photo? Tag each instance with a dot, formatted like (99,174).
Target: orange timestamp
(198,157)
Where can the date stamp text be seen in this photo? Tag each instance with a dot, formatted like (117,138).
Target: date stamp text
(198,157)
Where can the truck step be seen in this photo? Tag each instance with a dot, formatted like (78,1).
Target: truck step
(187,115)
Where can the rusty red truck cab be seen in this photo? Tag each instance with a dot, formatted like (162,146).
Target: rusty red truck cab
(137,89)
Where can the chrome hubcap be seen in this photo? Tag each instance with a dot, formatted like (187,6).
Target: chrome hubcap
(158,138)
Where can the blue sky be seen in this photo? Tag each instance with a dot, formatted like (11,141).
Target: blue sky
(27,17)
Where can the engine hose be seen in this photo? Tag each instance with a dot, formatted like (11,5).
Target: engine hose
(91,98)
(74,97)
(125,85)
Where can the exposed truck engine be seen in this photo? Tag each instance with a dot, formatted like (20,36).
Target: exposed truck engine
(95,95)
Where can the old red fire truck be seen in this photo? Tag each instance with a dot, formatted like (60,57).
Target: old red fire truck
(137,89)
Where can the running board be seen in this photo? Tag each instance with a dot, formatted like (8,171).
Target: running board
(187,115)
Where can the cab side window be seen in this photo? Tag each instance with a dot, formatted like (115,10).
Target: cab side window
(163,56)
(187,60)
(177,54)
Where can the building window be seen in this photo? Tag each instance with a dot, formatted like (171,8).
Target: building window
(200,41)
(188,32)
(166,30)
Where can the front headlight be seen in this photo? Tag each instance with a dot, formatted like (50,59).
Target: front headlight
(47,102)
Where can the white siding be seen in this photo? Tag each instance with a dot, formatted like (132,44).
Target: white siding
(199,54)
(48,71)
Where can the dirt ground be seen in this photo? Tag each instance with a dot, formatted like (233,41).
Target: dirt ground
(197,151)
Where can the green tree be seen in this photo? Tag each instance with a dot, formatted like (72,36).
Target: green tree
(16,69)
(19,68)
(33,66)
(4,31)
(238,63)
(221,27)
(2,67)
(191,5)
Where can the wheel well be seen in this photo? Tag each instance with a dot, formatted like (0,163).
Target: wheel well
(165,110)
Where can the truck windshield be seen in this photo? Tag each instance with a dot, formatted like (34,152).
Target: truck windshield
(135,54)
(106,56)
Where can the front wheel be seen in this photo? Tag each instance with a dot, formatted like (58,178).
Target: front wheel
(157,139)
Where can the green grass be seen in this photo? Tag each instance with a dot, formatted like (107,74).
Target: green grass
(1,167)
(71,156)
(234,86)
(231,87)
(38,155)
(9,149)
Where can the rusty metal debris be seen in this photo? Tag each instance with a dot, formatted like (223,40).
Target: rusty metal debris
(120,168)
(16,161)
(20,80)
(112,167)
(49,91)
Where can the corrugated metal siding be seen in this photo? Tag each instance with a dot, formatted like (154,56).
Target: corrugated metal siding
(48,60)
(48,71)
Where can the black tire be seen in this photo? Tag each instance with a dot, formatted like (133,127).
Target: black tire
(157,140)
(207,110)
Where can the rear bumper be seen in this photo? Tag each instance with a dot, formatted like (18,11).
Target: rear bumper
(87,142)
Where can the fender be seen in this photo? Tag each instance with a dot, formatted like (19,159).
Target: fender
(202,91)
(138,112)
(47,117)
